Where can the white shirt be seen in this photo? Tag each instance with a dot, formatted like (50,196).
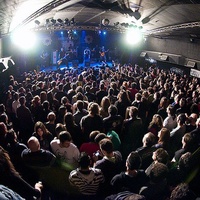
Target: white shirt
(69,155)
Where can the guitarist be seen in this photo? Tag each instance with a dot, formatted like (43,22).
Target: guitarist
(62,58)
(103,54)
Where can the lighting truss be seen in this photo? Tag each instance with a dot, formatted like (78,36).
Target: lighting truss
(174,27)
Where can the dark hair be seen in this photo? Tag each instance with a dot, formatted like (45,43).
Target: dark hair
(99,137)
(158,172)
(182,192)
(64,136)
(134,160)
(112,110)
(84,160)
(106,145)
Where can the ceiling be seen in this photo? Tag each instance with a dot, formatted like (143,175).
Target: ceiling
(159,18)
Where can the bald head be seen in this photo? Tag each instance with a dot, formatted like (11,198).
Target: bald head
(33,144)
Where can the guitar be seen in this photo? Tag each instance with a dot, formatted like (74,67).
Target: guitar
(60,60)
(102,53)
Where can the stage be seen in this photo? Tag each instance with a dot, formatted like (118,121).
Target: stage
(75,65)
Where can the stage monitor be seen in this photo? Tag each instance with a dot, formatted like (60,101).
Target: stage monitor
(191,64)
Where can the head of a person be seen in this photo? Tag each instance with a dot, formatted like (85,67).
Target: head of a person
(99,137)
(161,155)
(65,139)
(93,135)
(182,192)
(133,161)
(40,128)
(94,109)
(84,160)
(22,100)
(112,110)
(164,135)
(105,103)
(157,119)
(133,112)
(149,139)
(33,144)
(51,117)
(181,119)
(106,146)
(158,172)
(59,128)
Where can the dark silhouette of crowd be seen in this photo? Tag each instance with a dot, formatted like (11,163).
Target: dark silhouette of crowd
(110,133)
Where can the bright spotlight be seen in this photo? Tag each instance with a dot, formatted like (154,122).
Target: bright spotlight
(104,32)
(61,32)
(24,39)
(133,36)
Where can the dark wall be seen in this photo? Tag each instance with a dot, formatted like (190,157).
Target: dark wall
(185,47)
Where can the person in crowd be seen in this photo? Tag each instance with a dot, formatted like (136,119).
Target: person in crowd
(101,93)
(156,124)
(114,121)
(147,149)
(65,150)
(43,135)
(73,129)
(3,132)
(91,122)
(133,178)
(37,109)
(25,119)
(159,156)
(11,178)
(80,112)
(50,124)
(162,108)
(182,192)
(187,146)
(163,139)
(46,110)
(60,93)
(105,103)
(170,121)
(110,164)
(177,133)
(182,106)
(91,147)
(191,122)
(157,187)
(90,96)
(132,132)
(87,180)
(122,103)
(196,133)
(14,149)
(35,156)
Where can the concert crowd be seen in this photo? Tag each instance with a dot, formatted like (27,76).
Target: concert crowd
(119,132)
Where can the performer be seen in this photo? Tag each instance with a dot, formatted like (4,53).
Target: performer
(103,54)
(44,59)
(87,54)
(62,58)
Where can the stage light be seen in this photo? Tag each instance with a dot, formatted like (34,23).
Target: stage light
(37,22)
(75,32)
(61,32)
(72,21)
(53,21)
(60,21)
(99,32)
(24,39)
(105,22)
(104,32)
(133,36)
